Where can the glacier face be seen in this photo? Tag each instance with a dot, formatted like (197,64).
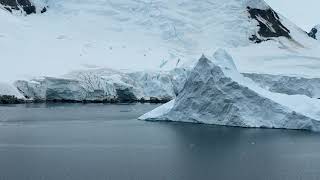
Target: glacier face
(106,85)
(215,93)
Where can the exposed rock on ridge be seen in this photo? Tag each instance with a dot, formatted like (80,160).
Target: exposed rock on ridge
(314,33)
(269,23)
(25,6)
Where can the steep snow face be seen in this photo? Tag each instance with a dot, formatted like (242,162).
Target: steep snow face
(278,59)
(189,23)
(218,94)
(314,33)
(133,34)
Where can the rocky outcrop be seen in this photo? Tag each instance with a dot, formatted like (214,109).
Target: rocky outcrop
(215,93)
(269,23)
(9,99)
(314,33)
(25,6)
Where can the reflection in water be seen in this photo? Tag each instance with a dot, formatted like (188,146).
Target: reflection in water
(96,141)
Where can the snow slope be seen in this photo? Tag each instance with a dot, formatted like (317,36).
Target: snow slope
(287,84)
(216,93)
(8,89)
(139,35)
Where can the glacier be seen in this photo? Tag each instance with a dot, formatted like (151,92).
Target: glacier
(216,93)
(107,85)
(103,84)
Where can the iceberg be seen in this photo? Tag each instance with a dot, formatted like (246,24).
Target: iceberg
(216,93)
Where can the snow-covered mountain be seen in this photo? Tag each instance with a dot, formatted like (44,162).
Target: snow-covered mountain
(145,49)
(216,93)
(143,34)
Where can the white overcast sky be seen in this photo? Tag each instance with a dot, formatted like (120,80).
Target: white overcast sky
(304,13)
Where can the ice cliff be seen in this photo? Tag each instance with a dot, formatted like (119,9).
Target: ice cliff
(106,85)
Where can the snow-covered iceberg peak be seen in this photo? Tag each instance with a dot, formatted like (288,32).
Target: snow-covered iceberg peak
(213,95)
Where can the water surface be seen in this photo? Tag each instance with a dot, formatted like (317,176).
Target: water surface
(102,142)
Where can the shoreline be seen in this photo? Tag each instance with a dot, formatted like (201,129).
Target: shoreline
(10,99)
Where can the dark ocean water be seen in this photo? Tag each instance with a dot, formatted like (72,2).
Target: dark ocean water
(102,142)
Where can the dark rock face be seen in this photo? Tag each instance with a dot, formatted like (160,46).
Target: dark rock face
(23,5)
(44,10)
(6,99)
(313,33)
(159,100)
(255,39)
(269,24)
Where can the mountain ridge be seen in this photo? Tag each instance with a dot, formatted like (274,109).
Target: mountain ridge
(139,34)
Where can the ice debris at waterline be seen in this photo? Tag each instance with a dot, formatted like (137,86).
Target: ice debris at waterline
(216,93)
